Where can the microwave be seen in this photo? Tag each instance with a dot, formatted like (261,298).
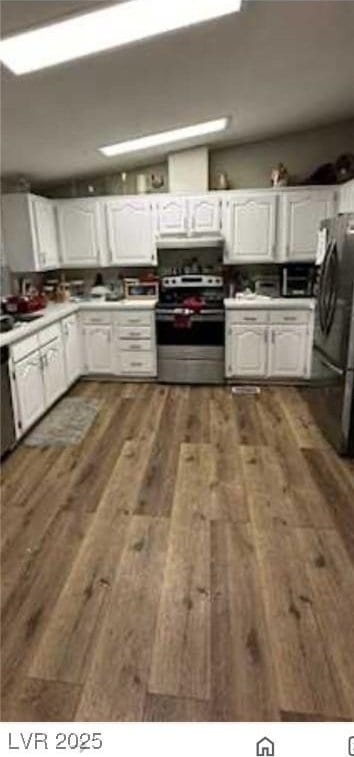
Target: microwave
(297,280)
(135,288)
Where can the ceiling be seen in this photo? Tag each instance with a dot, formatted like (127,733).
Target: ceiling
(276,67)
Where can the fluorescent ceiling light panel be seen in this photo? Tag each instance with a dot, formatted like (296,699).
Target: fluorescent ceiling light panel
(165,137)
(105,29)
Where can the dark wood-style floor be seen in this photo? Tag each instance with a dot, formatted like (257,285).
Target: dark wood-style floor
(191,559)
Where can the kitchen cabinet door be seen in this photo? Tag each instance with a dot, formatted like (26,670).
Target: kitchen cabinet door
(79,232)
(250,228)
(287,351)
(72,348)
(46,242)
(346,197)
(29,386)
(130,232)
(171,216)
(247,351)
(301,214)
(53,371)
(98,349)
(204,215)
(30,232)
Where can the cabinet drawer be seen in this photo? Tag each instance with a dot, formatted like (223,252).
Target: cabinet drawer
(142,345)
(23,348)
(132,364)
(135,318)
(289,316)
(95,317)
(49,333)
(136,332)
(247,316)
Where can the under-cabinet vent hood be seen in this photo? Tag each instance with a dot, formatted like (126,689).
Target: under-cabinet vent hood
(188,243)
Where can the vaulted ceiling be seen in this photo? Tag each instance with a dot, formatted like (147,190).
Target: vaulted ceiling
(276,67)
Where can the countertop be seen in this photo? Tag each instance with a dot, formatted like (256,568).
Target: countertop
(281,303)
(54,313)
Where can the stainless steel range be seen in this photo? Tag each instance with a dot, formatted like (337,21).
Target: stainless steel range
(190,329)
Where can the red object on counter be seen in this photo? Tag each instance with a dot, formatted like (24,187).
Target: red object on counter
(24,303)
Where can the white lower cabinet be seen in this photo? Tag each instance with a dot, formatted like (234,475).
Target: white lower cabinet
(38,379)
(136,344)
(54,378)
(288,351)
(29,391)
(248,353)
(72,348)
(278,345)
(97,348)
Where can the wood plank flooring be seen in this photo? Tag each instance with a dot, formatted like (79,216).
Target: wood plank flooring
(192,559)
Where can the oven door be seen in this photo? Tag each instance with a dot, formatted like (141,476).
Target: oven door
(180,329)
(190,349)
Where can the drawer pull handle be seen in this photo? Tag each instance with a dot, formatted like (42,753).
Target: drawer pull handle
(249,318)
(136,365)
(290,318)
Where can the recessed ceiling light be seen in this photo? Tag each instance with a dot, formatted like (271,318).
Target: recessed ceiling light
(104,29)
(165,137)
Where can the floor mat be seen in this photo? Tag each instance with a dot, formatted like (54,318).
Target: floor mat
(65,425)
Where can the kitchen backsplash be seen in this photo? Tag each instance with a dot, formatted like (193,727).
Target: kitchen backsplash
(171,261)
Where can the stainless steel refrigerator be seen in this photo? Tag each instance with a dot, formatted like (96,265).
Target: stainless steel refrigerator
(331,395)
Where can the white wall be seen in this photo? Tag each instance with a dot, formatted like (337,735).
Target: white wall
(250,165)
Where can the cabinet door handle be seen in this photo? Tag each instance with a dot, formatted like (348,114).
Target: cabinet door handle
(273,337)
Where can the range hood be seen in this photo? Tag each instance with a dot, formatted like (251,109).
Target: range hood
(188,242)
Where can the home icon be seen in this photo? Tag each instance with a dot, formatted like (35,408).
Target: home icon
(265,748)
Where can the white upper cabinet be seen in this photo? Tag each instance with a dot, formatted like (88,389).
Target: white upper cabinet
(346,197)
(30,234)
(204,215)
(247,348)
(43,215)
(80,232)
(130,232)
(250,227)
(171,216)
(301,212)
